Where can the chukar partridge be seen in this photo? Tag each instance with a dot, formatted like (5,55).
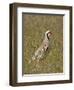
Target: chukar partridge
(39,53)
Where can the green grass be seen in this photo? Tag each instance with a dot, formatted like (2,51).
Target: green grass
(34,28)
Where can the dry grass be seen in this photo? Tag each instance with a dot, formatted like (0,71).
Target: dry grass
(34,28)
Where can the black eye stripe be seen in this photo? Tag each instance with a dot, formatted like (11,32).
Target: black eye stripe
(47,36)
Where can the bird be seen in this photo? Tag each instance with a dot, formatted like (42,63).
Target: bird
(39,53)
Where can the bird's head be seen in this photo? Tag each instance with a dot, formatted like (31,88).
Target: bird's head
(48,34)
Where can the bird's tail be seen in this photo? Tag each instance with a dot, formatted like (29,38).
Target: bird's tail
(33,57)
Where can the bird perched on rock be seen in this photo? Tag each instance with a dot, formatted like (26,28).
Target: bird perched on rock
(39,53)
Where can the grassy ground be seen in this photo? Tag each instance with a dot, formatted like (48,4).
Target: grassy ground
(34,28)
